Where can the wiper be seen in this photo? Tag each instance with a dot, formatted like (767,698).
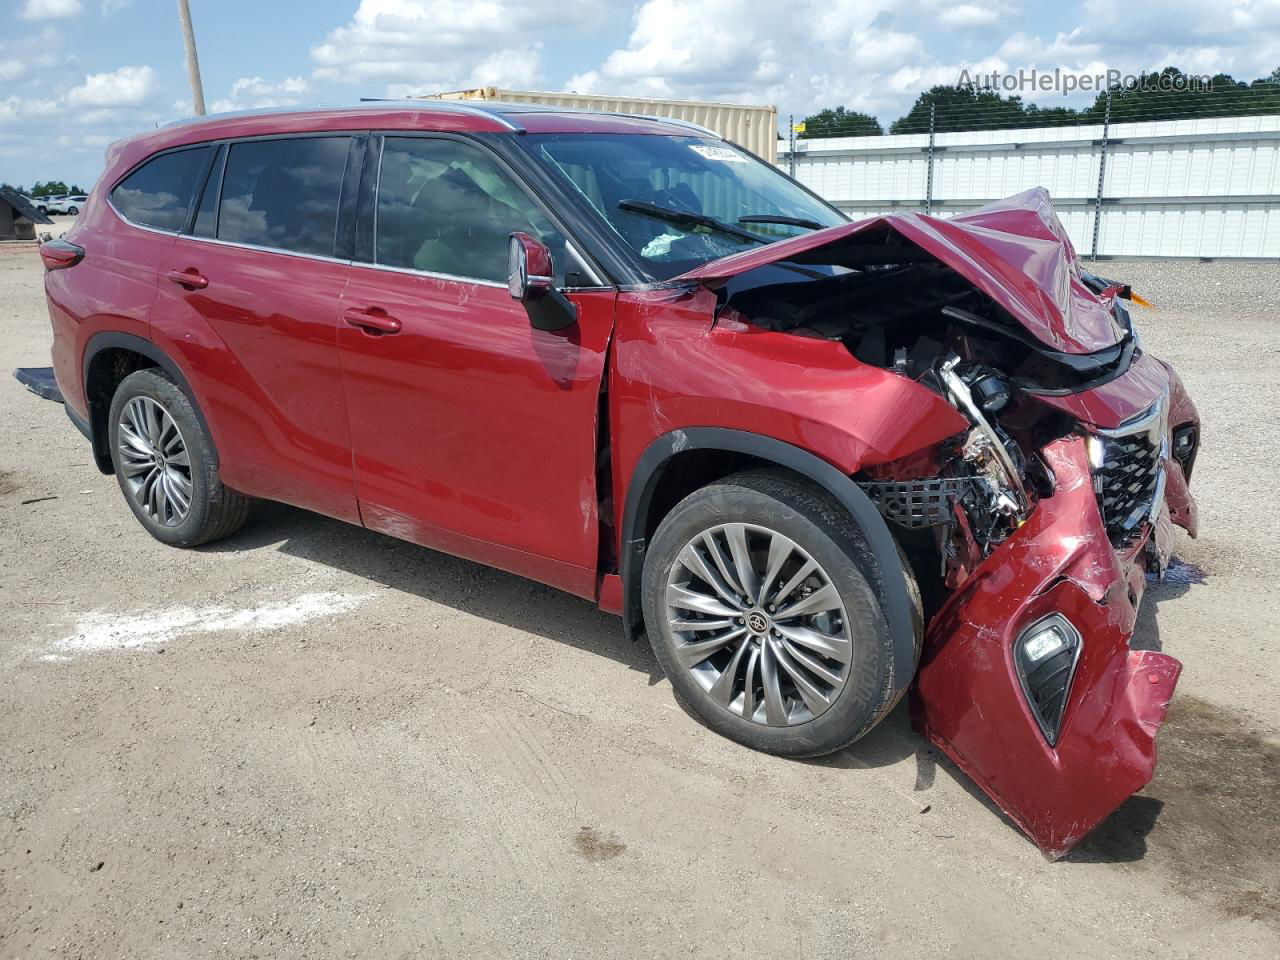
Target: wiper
(785,221)
(691,219)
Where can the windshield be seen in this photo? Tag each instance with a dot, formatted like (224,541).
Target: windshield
(679,202)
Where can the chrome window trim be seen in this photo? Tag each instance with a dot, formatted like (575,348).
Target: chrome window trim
(252,246)
(386,268)
(140,226)
(353,263)
(474,281)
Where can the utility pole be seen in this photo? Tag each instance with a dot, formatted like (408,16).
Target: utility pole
(193,62)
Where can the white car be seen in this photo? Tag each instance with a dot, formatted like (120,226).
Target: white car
(72,204)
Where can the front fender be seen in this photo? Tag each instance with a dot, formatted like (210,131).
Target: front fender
(675,368)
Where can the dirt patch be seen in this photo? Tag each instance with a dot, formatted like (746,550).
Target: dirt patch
(1210,818)
(597,848)
(8,482)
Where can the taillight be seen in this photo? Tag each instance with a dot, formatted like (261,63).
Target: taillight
(60,254)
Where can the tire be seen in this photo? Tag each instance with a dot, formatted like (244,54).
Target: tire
(73,211)
(766,506)
(185,472)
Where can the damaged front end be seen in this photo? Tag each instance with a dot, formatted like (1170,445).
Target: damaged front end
(1031,531)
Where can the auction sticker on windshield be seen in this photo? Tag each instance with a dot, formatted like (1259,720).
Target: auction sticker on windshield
(718,153)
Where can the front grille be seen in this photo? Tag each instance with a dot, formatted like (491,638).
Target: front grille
(1130,477)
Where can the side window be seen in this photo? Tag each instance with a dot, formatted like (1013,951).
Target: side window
(283,193)
(206,224)
(447,207)
(158,194)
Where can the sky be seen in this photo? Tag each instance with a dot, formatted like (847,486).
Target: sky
(76,75)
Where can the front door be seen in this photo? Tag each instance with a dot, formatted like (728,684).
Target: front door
(472,432)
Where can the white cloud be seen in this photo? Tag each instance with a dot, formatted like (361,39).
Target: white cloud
(23,108)
(969,15)
(50,9)
(251,93)
(1240,37)
(418,46)
(877,56)
(821,53)
(127,86)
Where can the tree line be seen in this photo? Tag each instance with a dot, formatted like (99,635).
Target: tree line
(1167,94)
(52,188)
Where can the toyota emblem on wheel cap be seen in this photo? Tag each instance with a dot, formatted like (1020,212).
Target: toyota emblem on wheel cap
(757,622)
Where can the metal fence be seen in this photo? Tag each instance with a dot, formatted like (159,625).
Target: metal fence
(1199,187)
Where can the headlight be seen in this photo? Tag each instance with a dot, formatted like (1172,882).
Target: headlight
(1045,655)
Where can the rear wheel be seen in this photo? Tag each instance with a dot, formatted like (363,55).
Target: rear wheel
(74,211)
(165,464)
(761,604)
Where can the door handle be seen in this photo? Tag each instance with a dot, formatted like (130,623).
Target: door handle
(191,278)
(375,320)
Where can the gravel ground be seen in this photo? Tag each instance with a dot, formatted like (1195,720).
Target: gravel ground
(312,741)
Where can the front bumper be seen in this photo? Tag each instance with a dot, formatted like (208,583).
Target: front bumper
(968,699)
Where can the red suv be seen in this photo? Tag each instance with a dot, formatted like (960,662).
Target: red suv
(820,463)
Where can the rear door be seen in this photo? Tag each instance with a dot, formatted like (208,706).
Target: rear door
(249,303)
(473,432)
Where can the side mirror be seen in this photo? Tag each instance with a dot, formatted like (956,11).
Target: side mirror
(529,269)
(531,280)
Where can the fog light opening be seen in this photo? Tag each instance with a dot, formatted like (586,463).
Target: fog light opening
(1045,656)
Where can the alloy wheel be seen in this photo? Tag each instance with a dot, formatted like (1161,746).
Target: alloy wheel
(758,624)
(154,461)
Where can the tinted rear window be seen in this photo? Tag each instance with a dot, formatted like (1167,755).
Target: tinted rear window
(158,194)
(283,194)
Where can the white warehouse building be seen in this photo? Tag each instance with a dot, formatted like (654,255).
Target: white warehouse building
(1206,187)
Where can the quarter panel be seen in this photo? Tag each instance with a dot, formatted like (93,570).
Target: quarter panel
(111,289)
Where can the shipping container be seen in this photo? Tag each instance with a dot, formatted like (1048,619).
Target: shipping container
(755,128)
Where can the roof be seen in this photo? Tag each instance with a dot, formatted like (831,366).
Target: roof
(416,115)
(440,115)
(22,206)
(446,116)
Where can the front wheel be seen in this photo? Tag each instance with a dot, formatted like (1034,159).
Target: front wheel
(165,464)
(761,604)
(74,211)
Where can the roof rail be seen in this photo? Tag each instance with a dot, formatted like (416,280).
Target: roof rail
(450,106)
(672,120)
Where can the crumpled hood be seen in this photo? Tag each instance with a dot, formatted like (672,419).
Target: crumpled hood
(1016,251)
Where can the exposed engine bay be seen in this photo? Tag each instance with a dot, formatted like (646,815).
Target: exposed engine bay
(895,306)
